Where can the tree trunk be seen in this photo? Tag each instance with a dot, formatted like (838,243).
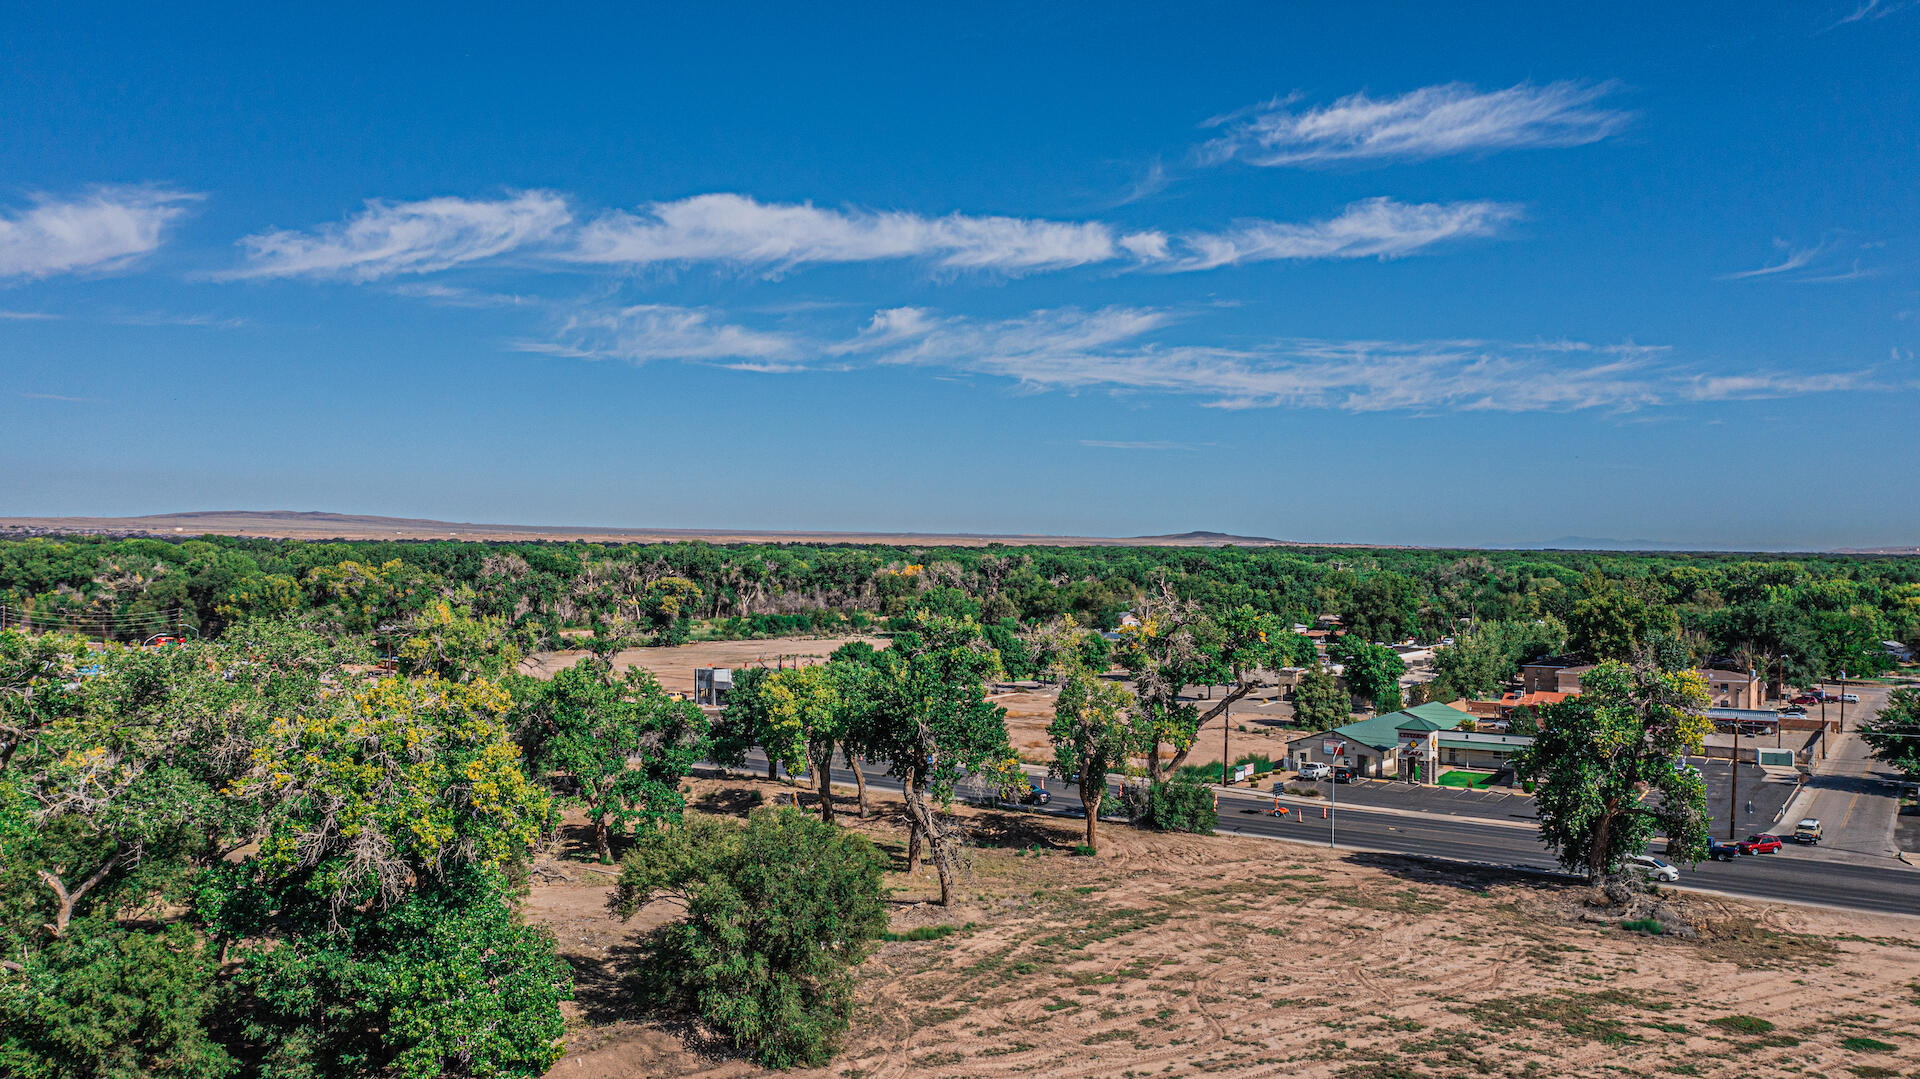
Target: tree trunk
(63,913)
(1092,790)
(938,843)
(1153,761)
(913,827)
(600,841)
(772,767)
(858,762)
(823,764)
(1597,853)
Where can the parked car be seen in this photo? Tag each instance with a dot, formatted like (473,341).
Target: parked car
(1723,852)
(1806,699)
(1343,774)
(1849,698)
(1807,831)
(1035,796)
(1315,770)
(1763,843)
(1794,710)
(1652,868)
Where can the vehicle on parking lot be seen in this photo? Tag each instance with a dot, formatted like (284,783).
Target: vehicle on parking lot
(1806,699)
(1794,710)
(1035,796)
(1849,698)
(1315,770)
(1723,852)
(1343,774)
(1807,831)
(1762,843)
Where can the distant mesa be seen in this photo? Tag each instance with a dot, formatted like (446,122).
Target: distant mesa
(321,525)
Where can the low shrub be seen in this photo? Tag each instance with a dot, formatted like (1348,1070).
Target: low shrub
(1179,805)
(1081,850)
(1649,926)
(1742,1024)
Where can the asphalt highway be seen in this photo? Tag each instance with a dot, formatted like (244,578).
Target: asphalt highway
(1891,889)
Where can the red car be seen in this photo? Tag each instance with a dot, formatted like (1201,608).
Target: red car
(1764,843)
(1805,698)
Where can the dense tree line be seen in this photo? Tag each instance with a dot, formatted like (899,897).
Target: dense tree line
(1798,618)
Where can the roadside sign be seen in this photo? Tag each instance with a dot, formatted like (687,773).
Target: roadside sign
(1334,747)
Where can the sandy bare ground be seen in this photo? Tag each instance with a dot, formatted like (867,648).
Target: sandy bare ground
(674,666)
(1257,727)
(1177,955)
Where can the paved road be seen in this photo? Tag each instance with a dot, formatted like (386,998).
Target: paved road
(1789,875)
(1854,796)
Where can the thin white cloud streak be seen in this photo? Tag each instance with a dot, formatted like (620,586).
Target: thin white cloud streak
(1151,445)
(106,228)
(1811,265)
(1109,349)
(1378,227)
(1121,350)
(738,229)
(390,238)
(1434,121)
(1873,11)
(27,316)
(60,397)
(644,332)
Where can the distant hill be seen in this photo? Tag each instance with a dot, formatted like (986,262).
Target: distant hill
(1211,539)
(316,525)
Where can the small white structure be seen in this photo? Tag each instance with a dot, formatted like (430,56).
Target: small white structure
(712,684)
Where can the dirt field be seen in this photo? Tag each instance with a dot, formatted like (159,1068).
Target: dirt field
(674,666)
(1180,955)
(1257,728)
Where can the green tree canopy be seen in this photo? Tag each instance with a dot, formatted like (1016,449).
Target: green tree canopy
(777,915)
(1608,767)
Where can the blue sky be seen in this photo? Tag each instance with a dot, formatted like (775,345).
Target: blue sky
(1372,273)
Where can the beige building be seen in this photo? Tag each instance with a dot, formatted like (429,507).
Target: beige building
(1726,688)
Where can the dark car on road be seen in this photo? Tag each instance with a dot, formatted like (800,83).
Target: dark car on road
(1723,852)
(1035,796)
(1763,843)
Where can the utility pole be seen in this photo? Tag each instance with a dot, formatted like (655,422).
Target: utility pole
(1843,700)
(1733,796)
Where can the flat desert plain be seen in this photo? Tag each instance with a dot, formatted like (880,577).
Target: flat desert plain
(1172,955)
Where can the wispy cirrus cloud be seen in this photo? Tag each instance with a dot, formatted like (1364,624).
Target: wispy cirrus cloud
(643,332)
(1151,445)
(1373,228)
(27,316)
(1873,11)
(1149,350)
(738,229)
(1434,121)
(390,238)
(1829,261)
(1119,349)
(104,228)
